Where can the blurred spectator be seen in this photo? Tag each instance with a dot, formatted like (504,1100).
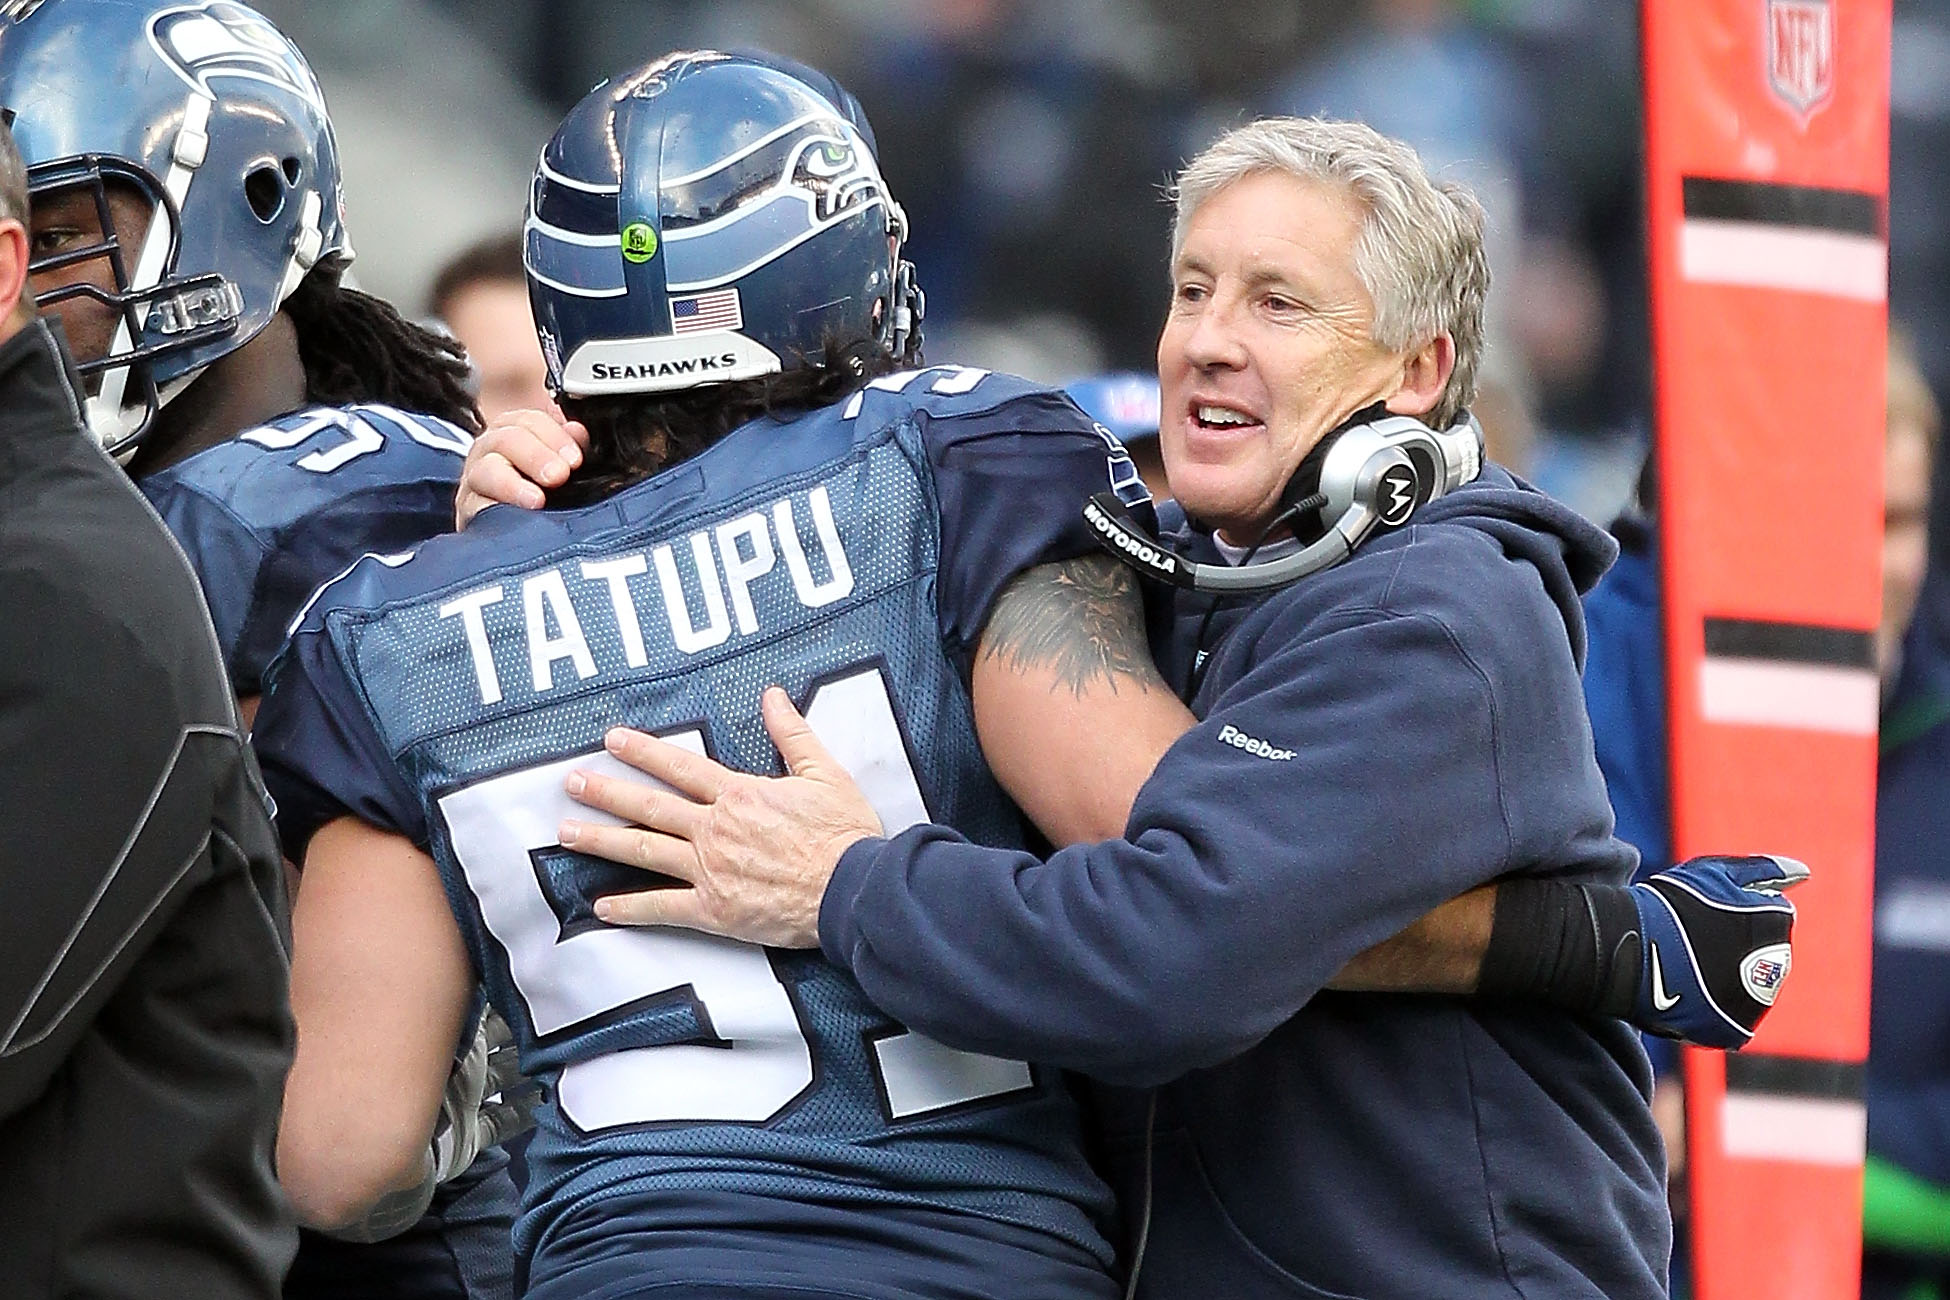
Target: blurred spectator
(1906,1193)
(1420,71)
(1030,145)
(1537,112)
(1509,429)
(1914,421)
(482,296)
(1919,222)
(1907,1202)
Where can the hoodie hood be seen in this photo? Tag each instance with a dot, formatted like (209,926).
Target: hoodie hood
(1569,551)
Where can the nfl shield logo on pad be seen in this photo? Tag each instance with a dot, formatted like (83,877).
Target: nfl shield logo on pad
(1801,53)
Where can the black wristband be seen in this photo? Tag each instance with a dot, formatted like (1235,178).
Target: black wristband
(1566,945)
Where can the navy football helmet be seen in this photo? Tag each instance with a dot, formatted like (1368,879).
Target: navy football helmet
(713,217)
(207,111)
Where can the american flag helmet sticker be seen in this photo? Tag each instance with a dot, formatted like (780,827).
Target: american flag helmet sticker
(717,310)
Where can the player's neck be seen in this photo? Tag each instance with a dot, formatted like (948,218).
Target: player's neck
(258,382)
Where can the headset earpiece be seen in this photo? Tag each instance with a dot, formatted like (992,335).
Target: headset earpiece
(1378,470)
(1391,467)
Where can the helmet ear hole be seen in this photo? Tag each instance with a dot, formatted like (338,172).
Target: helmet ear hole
(264,190)
(291,171)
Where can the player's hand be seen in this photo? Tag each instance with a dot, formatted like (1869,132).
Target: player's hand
(1717,945)
(487,1100)
(756,851)
(521,454)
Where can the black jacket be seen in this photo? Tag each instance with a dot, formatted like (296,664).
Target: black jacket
(145,1028)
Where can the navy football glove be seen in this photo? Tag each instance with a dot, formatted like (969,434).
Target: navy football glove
(1716,946)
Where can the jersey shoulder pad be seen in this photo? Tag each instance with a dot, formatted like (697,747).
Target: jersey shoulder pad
(279,472)
(963,410)
(499,541)
(364,585)
(960,394)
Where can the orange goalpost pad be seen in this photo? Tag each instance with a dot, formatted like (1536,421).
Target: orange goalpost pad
(1767,128)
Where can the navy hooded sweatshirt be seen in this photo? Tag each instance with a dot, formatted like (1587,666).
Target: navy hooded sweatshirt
(1376,739)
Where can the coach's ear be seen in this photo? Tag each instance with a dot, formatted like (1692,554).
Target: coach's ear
(13,273)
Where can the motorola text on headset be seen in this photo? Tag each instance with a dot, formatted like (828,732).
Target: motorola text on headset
(1375,470)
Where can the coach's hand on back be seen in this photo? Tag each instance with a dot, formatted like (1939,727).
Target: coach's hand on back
(755,851)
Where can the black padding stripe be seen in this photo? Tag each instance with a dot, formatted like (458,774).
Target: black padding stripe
(1794,1076)
(1800,643)
(1851,212)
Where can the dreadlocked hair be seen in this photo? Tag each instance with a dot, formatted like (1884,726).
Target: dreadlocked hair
(634,435)
(357,348)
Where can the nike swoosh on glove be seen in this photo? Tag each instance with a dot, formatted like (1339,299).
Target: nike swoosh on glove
(1716,946)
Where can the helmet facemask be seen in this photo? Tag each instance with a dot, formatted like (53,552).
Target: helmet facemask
(204,110)
(152,314)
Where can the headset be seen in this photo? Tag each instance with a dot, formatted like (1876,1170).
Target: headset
(1371,471)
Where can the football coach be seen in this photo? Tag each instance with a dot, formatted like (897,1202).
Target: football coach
(1382,638)
(144,1022)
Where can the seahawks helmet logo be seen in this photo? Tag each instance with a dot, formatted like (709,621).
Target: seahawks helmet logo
(835,173)
(205,42)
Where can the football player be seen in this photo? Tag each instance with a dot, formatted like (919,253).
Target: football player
(772,494)
(187,233)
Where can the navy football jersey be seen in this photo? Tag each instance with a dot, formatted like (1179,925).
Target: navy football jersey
(269,516)
(266,518)
(850,555)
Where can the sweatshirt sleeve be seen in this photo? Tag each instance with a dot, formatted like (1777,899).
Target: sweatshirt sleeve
(1342,787)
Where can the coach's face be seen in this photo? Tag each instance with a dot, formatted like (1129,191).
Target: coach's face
(1267,346)
(68,220)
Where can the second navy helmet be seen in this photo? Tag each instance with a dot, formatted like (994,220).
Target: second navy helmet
(209,113)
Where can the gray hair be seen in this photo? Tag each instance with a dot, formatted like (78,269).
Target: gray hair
(13,178)
(1420,252)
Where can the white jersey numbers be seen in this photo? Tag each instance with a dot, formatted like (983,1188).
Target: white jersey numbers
(344,435)
(578,976)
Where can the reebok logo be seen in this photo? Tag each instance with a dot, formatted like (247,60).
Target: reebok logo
(1253,745)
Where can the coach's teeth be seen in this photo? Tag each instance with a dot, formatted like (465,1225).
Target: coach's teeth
(1220,415)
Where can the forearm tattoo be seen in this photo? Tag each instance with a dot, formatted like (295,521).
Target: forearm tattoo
(1081,618)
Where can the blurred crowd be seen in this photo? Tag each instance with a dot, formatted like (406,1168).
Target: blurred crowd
(1031,143)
